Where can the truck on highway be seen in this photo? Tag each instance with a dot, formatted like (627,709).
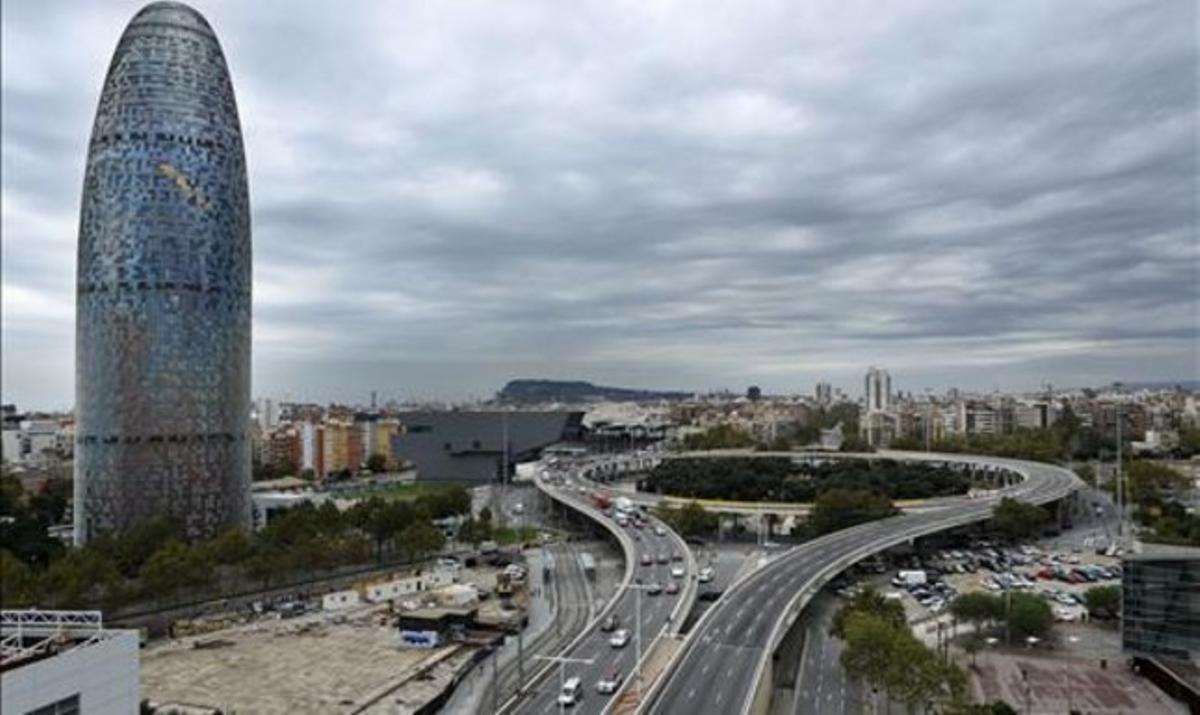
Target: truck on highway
(601,501)
(624,505)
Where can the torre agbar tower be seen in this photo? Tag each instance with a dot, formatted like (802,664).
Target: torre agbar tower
(162,337)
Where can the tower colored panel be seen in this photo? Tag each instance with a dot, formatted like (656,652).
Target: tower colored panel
(163,288)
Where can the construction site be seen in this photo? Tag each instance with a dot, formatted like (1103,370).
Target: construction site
(394,644)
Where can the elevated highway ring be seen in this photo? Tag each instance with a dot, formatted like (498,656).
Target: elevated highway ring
(722,666)
(607,468)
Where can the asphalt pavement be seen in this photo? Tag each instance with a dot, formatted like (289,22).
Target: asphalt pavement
(822,686)
(603,659)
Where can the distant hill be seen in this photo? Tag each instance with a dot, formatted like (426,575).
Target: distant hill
(578,391)
(1186,385)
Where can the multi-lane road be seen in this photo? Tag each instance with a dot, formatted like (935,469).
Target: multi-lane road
(725,657)
(603,660)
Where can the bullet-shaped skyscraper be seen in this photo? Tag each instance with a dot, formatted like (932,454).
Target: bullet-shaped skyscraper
(162,341)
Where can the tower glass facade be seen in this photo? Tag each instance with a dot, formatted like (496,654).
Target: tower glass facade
(163,288)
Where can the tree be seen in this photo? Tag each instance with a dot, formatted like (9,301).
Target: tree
(352,549)
(420,540)
(18,583)
(1189,441)
(978,608)
(230,548)
(474,532)
(918,677)
(854,442)
(1103,601)
(133,548)
(870,601)
(1029,615)
(83,577)
(972,644)
(842,508)
(1149,481)
(689,520)
(50,502)
(266,563)
(722,436)
(869,649)
(1018,520)
(1087,473)
(174,566)
(377,463)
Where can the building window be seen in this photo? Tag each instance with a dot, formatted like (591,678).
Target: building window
(66,706)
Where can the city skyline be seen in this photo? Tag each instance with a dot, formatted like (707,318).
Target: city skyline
(659,199)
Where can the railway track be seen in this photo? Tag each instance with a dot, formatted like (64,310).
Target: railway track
(572,607)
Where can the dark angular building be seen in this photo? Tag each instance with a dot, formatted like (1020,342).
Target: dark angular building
(162,336)
(469,446)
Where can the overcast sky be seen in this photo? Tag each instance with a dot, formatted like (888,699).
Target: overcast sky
(679,195)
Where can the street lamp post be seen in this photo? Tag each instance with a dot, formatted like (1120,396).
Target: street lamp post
(1031,641)
(1070,694)
(637,638)
(562,673)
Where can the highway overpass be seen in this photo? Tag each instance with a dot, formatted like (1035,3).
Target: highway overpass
(724,664)
(661,615)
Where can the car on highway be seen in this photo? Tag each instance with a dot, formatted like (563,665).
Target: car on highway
(678,572)
(663,558)
(654,588)
(609,684)
(672,588)
(571,691)
(676,556)
(647,560)
(619,639)
(609,624)
(659,531)
(706,574)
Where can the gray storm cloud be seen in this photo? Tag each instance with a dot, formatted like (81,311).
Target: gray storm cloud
(444,197)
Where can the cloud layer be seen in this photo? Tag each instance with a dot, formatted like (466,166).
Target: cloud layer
(673,195)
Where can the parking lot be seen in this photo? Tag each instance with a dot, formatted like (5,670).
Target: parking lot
(926,584)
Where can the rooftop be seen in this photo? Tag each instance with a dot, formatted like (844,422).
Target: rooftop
(30,635)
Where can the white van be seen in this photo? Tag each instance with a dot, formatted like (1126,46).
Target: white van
(571,690)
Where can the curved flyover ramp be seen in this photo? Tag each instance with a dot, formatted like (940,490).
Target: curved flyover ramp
(592,658)
(723,663)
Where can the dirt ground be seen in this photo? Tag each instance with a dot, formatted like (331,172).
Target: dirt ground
(298,665)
